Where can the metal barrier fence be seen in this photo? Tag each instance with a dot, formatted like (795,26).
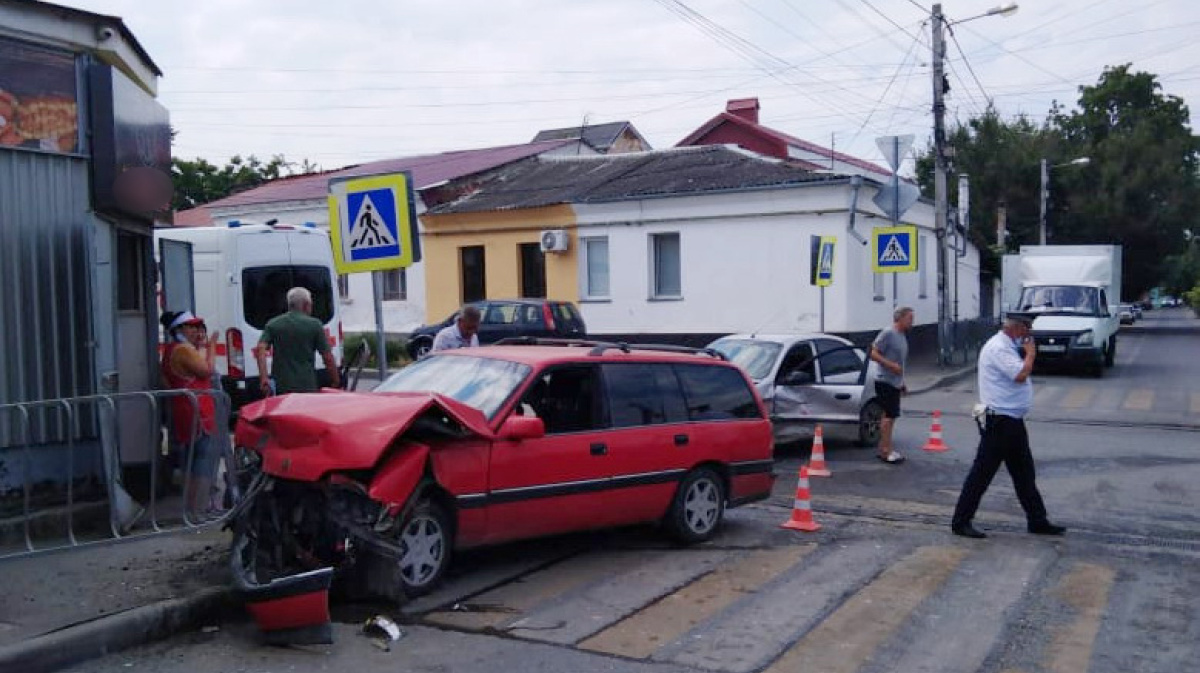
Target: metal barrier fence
(89,470)
(965,338)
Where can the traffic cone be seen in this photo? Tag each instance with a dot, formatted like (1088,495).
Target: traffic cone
(816,464)
(802,518)
(935,434)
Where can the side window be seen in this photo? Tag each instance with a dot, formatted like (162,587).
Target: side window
(500,314)
(716,393)
(566,399)
(642,394)
(800,358)
(837,359)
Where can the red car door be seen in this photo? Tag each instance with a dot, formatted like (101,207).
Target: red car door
(556,483)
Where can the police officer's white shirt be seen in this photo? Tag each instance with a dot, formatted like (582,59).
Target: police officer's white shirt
(450,337)
(1000,361)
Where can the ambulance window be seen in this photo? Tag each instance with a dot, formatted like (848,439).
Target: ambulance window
(264,291)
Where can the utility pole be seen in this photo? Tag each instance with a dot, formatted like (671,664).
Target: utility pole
(938,26)
(1043,197)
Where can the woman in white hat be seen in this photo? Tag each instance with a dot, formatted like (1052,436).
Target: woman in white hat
(187,363)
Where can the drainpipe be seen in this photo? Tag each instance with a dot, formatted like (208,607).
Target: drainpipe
(855,184)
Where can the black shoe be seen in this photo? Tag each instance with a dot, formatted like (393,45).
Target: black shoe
(967,530)
(1046,528)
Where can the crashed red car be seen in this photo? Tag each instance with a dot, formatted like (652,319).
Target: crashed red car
(485,445)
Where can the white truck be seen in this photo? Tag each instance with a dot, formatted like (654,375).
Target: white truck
(241,273)
(1073,292)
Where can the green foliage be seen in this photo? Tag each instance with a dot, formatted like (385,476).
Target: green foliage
(1140,189)
(397,355)
(198,182)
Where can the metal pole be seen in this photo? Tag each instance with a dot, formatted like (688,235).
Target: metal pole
(380,345)
(937,26)
(1042,198)
(822,308)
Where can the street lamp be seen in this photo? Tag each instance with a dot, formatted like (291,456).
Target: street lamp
(938,24)
(1045,193)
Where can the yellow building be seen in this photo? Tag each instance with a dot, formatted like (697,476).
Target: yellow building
(496,255)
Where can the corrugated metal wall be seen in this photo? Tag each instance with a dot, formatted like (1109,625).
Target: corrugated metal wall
(45,312)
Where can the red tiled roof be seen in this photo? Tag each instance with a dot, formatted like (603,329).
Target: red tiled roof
(426,170)
(759,129)
(192,217)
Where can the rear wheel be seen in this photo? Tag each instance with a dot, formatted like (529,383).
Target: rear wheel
(425,542)
(870,424)
(698,508)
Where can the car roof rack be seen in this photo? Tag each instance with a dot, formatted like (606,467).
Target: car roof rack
(600,347)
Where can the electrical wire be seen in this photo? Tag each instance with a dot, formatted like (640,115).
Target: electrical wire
(966,61)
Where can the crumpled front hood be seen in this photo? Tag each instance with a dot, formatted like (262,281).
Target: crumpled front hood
(303,436)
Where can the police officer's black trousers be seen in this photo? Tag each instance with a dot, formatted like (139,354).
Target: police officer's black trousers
(1004,441)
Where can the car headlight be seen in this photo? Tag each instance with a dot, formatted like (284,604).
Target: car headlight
(1084,339)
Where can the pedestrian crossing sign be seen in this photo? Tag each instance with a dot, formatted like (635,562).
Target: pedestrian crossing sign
(822,260)
(894,249)
(373,223)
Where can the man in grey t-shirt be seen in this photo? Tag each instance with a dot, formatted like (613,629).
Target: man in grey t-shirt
(890,351)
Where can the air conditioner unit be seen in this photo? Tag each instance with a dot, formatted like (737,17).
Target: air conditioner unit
(555,240)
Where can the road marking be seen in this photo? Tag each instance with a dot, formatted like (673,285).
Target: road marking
(1043,394)
(1141,399)
(847,638)
(639,635)
(1196,403)
(511,601)
(1078,398)
(1085,589)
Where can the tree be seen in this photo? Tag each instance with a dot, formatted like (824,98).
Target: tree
(1141,188)
(198,182)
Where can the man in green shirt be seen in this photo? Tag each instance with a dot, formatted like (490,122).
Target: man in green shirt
(293,338)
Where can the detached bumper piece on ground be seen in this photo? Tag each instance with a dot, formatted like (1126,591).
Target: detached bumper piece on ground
(292,610)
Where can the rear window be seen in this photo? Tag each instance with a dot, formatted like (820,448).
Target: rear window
(567,314)
(264,291)
(716,393)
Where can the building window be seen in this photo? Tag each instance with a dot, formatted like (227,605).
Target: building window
(343,283)
(131,272)
(395,285)
(595,267)
(922,278)
(533,270)
(472,271)
(666,271)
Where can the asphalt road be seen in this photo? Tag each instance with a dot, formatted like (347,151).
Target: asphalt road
(882,587)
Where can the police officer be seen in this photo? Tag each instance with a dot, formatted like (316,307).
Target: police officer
(1005,363)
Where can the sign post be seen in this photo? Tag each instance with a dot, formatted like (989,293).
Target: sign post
(373,227)
(821,265)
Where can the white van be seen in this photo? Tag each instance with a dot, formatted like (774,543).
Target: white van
(241,274)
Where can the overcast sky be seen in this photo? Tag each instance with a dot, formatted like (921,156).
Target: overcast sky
(350,81)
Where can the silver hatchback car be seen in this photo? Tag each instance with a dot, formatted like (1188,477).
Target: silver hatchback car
(806,379)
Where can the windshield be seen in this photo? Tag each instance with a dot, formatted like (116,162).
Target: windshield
(755,357)
(1060,299)
(482,383)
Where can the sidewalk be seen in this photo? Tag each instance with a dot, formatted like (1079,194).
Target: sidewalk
(64,607)
(923,373)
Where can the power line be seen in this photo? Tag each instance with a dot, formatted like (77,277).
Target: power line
(982,90)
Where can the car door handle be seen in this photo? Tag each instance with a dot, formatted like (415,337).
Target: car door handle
(842,396)
(599,449)
(681,440)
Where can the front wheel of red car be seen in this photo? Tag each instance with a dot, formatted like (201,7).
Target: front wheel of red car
(698,507)
(425,541)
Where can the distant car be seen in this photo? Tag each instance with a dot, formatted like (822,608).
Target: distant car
(504,318)
(1137,311)
(805,379)
(1125,313)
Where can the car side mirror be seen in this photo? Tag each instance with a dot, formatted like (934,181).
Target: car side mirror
(517,428)
(796,377)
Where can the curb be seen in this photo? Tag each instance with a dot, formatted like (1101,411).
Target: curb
(952,377)
(137,626)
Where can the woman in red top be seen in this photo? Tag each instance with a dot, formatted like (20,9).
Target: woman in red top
(187,363)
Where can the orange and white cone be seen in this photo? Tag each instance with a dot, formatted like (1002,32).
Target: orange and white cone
(816,464)
(802,518)
(935,434)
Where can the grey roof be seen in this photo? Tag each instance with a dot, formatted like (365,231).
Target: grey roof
(599,136)
(544,181)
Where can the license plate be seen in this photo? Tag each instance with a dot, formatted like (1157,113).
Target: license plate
(1052,349)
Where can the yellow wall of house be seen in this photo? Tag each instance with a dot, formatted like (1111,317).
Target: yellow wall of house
(500,233)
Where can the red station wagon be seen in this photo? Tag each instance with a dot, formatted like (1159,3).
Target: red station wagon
(480,446)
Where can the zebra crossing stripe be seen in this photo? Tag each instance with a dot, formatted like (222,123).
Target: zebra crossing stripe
(901,588)
(1139,400)
(1086,590)
(642,633)
(1078,398)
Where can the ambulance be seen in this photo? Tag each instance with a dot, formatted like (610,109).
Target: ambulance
(240,275)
